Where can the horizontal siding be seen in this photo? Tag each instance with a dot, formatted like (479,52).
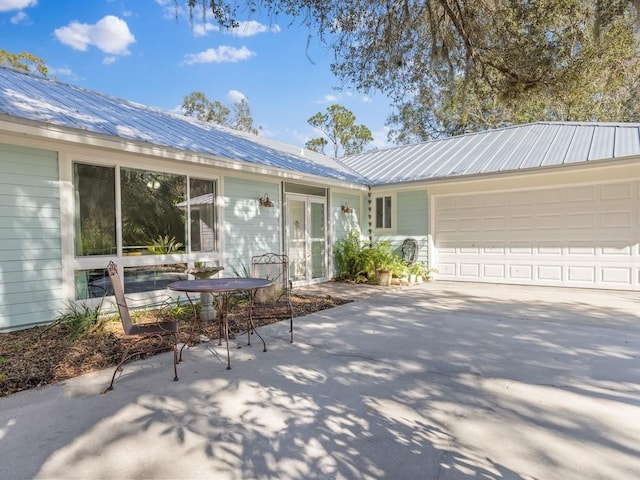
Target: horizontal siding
(30,237)
(343,223)
(249,229)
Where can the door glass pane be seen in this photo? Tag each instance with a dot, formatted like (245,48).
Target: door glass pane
(95,209)
(152,220)
(297,239)
(317,241)
(203,219)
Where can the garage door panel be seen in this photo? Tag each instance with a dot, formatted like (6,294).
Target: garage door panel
(585,236)
(583,274)
(494,271)
(616,275)
(581,194)
(550,273)
(470,270)
(521,272)
(616,191)
(616,219)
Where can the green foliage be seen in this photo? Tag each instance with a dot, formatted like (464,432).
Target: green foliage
(23,61)
(197,105)
(338,124)
(348,258)
(358,261)
(164,245)
(81,319)
(179,309)
(456,66)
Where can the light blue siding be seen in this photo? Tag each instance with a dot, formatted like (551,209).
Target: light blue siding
(249,229)
(342,222)
(412,211)
(30,252)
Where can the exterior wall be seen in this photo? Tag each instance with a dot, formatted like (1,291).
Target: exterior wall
(30,237)
(342,223)
(412,221)
(249,229)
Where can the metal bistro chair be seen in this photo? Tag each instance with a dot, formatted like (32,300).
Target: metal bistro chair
(161,329)
(273,301)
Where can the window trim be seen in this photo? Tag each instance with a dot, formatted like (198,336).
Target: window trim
(392,211)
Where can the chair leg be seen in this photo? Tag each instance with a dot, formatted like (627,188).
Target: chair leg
(291,328)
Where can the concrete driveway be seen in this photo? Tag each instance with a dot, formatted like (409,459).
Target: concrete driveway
(442,381)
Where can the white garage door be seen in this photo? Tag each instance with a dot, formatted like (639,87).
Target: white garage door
(586,236)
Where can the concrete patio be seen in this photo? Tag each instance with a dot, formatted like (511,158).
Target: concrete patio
(441,381)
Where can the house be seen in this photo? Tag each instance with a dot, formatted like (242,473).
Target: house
(86,178)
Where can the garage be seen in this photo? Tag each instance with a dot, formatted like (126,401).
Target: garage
(573,236)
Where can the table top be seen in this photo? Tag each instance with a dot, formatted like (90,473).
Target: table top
(212,285)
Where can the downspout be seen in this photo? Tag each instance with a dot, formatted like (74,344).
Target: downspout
(370,214)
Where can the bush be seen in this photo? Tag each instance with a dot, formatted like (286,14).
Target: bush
(358,260)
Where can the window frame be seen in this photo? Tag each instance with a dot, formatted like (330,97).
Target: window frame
(391,211)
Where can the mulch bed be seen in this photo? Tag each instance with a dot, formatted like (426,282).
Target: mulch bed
(44,355)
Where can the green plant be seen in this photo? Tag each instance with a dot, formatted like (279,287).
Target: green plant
(163,245)
(350,258)
(359,261)
(81,319)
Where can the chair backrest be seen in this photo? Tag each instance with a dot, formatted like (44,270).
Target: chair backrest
(275,267)
(118,293)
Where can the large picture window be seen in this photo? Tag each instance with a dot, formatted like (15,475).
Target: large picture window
(152,221)
(159,214)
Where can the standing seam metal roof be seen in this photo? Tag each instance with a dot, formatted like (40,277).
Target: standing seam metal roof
(517,148)
(40,99)
(509,149)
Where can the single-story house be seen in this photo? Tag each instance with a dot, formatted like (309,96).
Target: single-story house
(86,178)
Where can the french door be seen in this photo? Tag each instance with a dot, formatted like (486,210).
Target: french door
(307,238)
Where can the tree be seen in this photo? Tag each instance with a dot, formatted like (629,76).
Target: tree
(23,61)
(338,125)
(197,105)
(460,65)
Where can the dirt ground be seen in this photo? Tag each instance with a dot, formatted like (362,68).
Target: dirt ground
(43,355)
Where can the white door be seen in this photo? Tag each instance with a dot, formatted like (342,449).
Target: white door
(579,236)
(307,239)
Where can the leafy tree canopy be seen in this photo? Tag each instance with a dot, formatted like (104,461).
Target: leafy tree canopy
(24,62)
(197,105)
(452,66)
(338,125)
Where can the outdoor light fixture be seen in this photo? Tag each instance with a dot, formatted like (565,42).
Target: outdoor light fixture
(265,202)
(346,209)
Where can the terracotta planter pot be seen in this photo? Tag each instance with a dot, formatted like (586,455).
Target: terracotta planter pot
(384,277)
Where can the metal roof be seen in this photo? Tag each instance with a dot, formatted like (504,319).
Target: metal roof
(517,148)
(536,145)
(40,99)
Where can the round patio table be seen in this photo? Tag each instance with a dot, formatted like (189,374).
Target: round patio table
(223,286)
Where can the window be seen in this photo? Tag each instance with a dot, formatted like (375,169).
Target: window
(95,209)
(383,212)
(159,213)
(152,221)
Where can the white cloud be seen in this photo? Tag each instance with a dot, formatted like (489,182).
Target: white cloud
(222,54)
(109,60)
(110,34)
(20,17)
(63,72)
(8,5)
(201,29)
(234,96)
(251,28)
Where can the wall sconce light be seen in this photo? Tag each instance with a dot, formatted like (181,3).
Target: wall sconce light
(265,202)
(346,209)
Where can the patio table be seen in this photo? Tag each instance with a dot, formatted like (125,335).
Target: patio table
(223,286)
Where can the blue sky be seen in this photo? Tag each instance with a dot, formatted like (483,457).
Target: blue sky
(140,51)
